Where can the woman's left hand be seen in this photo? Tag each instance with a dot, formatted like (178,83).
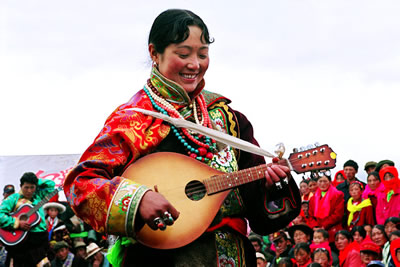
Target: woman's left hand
(275,173)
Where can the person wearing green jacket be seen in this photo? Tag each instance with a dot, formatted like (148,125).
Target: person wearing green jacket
(35,246)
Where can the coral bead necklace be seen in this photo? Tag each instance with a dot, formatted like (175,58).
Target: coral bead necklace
(197,146)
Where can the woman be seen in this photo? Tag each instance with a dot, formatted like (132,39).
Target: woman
(378,235)
(312,185)
(349,251)
(322,255)
(327,206)
(359,211)
(305,192)
(358,233)
(340,177)
(302,254)
(178,46)
(389,202)
(373,189)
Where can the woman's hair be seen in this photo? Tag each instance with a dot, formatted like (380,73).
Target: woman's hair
(395,233)
(303,246)
(395,220)
(381,228)
(345,233)
(304,182)
(360,229)
(285,262)
(314,264)
(172,27)
(375,174)
(323,250)
(357,183)
(324,233)
(29,177)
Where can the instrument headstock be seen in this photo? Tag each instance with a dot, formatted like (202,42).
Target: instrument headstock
(318,158)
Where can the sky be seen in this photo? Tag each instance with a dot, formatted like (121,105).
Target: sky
(302,71)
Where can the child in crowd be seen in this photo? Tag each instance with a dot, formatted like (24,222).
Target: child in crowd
(321,240)
(359,211)
(53,209)
(302,254)
(322,256)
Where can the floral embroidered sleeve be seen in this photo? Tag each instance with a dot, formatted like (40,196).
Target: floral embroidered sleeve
(95,189)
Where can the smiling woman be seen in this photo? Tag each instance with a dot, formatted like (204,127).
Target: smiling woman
(120,189)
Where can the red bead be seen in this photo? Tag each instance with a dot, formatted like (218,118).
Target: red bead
(209,155)
(202,151)
(275,160)
(193,155)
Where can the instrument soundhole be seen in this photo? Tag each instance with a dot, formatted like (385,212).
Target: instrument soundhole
(195,190)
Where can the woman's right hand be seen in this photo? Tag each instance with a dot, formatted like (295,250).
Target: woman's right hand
(154,205)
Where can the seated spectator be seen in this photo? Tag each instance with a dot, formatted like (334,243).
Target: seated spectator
(349,251)
(339,178)
(359,211)
(63,257)
(321,240)
(378,235)
(261,261)
(389,202)
(282,246)
(326,206)
(8,190)
(395,251)
(358,233)
(322,256)
(369,252)
(305,192)
(302,254)
(256,241)
(95,257)
(300,233)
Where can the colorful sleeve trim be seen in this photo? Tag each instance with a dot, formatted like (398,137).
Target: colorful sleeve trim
(123,208)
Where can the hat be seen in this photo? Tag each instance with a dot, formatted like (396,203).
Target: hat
(59,245)
(61,227)
(9,189)
(302,227)
(92,249)
(279,234)
(255,237)
(79,244)
(375,264)
(369,246)
(351,163)
(369,164)
(61,208)
(383,162)
(260,256)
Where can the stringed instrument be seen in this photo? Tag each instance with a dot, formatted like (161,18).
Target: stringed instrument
(197,191)
(25,212)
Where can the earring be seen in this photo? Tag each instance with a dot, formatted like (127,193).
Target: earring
(155,64)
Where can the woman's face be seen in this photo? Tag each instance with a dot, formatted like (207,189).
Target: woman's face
(390,227)
(304,188)
(312,185)
(302,256)
(323,183)
(357,237)
(339,178)
(184,63)
(373,182)
(378,237)
(341,242)
(321,258)
(355,192)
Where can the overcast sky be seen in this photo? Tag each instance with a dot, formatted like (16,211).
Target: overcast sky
(302,71)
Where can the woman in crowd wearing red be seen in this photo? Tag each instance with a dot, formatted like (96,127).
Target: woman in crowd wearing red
(359,211)
(349,250)
(388,202)
(327,206)
(373,189)
(340,177)
(306,194)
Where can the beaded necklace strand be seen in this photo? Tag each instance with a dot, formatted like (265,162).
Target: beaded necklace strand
(205,145)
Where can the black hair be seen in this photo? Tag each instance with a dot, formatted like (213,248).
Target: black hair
(323,250)
(381,228)
(346,234)
(285,262)
(303,246)
(304,181)
(324,233)
(374,173)
(29,177)
(360,229)
(314,264)
(396,233)
(395,220)
(172,27)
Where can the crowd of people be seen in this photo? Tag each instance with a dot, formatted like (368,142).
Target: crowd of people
(59,239)
(343,221)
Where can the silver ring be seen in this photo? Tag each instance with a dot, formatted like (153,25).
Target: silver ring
(168,218)
(278,185)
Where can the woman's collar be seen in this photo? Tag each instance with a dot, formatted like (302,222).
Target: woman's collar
(172,91)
